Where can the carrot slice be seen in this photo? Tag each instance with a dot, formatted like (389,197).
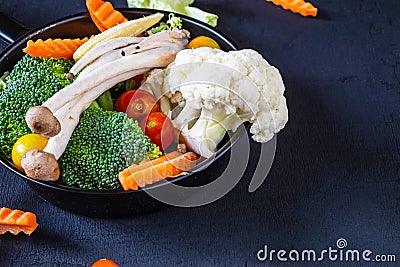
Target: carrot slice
(16,221)
(104,15)
(57,48)
(297,6)
(104,263)
(170,165)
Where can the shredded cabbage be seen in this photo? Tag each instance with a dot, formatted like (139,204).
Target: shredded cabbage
(177,6)
(172,23)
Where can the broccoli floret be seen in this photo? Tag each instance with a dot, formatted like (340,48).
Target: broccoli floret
(30,83)
(103,144)
(2,82)
(154,151)
(2,85)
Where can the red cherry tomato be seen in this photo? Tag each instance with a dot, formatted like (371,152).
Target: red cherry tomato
(142,103)
(139,78)
(104,263)
(136,104)
(159,129)
(123,101)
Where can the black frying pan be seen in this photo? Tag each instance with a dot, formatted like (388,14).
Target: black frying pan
(113,203)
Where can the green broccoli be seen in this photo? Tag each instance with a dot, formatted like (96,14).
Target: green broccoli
(103,144)
(2,82)
(31,82)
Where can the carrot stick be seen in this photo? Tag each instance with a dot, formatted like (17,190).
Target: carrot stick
(57,48)
(170,165)
(297,6)
(16,221)
(104,15)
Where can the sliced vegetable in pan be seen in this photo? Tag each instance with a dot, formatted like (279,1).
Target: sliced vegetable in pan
(129,28)
(57,48)
(167,166)
(203,41)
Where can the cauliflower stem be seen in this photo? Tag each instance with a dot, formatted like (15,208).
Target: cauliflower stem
(208,130)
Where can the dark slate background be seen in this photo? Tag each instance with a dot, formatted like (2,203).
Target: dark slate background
(336,171)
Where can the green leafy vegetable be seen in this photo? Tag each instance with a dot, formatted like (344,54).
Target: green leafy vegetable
(105,101)
(172,23)
(178,6)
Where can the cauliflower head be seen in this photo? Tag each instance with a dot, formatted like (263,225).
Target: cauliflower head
(211,85)
(241,82)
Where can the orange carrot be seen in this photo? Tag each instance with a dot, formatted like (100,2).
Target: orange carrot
(104,15)
(16,221)
(167,166)
(297,6)
(57,48)
(104,263)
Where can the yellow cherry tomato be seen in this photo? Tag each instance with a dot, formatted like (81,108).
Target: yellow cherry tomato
(24,144)
(203,41)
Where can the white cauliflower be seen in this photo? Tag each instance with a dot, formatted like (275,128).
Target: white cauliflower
(218,89)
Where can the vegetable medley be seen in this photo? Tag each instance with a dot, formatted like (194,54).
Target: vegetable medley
(100,113)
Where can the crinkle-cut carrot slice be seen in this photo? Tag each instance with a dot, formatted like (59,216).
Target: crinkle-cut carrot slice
(170,165)
(297,6)
(57,48)
(16,221)
(104,15)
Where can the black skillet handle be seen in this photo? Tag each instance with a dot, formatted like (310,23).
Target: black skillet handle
(10,29)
